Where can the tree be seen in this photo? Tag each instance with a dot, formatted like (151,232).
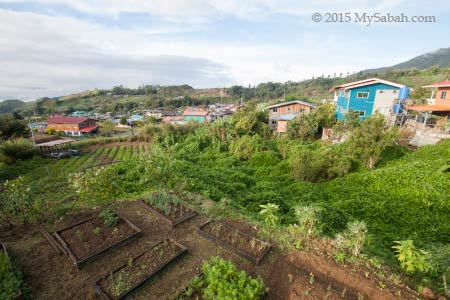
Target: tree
(325,115)
(12,128)
(304,126)
(107,128)
(368,141)
(123,120)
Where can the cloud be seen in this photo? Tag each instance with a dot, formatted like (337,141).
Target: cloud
(49,56)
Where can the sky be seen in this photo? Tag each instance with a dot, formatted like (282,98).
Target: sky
(54,48)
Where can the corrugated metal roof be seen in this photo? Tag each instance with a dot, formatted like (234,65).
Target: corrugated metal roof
(66,120)
(291,102)
(286,117)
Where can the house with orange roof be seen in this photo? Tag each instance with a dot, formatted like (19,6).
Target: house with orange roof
(439,102)
(73,126)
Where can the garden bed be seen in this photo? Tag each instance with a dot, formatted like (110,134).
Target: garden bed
(221,278)
(11,284)
(235,240)
(170,209)
(87,239)
(128,277)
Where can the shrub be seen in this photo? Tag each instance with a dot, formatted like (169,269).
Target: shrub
(222,281)
(18,149)
(411,259)
(16,200)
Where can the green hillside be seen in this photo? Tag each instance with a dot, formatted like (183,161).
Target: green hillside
(440,58)
(7,106)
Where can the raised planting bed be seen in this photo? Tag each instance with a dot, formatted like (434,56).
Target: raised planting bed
(88,239)
(138,270)
(10,283)
(220,279)
(235,240)
(169,208)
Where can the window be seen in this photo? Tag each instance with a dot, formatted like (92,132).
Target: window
(302,110)
(274,122)
(347,94)
(274,109)
(361,113)
(362,95)
(443,95)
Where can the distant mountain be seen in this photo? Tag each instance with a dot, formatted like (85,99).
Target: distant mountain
(439,58)
(7,106)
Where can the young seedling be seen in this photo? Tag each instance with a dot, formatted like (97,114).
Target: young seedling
(79,235)
(96,231)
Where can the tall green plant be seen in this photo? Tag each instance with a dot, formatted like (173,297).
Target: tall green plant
(269,212)
(411,259)
(307,218)
(353,238)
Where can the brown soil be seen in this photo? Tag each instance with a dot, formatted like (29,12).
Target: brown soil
(85,240)
(139,269)
(51,276)
(234,237)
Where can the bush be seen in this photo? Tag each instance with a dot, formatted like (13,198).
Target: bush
(16,201)
(222,281)
(17,149)
(411,259)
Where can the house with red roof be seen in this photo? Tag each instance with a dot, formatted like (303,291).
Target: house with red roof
(73,126)
(439,102)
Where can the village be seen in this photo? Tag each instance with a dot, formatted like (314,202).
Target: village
(428,119)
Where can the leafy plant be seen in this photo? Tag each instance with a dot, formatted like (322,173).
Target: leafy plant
(307,218)
(411,259)
(269,212)
(109,218)
(222,280)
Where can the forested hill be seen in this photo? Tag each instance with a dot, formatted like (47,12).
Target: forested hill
(440,58)
(123,100)
(10,105)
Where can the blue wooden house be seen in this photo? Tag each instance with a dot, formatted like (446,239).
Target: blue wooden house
(366,97)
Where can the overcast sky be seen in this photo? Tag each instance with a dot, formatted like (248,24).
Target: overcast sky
(52,48)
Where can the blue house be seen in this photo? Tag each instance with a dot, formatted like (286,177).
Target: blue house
(366,97)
